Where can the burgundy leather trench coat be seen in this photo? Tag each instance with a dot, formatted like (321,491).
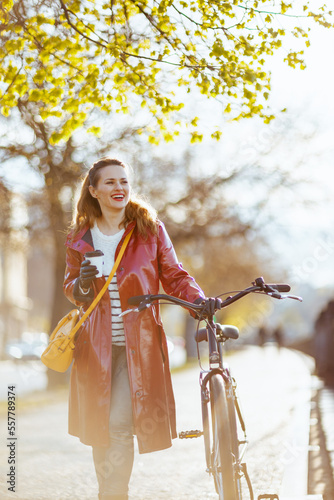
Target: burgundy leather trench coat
(144,264)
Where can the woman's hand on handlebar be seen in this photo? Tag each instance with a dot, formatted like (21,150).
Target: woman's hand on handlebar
(210,306)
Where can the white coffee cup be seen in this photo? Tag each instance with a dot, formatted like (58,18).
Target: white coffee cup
(96,258)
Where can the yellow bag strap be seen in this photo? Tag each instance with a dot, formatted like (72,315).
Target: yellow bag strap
(105,286)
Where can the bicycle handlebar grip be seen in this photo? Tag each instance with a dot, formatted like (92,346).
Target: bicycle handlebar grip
(280,287)
(137,299)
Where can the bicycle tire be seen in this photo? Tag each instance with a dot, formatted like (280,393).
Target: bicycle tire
(222,457)
(234,438)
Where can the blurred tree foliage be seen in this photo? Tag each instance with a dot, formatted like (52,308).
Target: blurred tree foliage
(71,56)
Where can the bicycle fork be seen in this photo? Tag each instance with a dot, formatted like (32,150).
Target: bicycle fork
(234,409)
(233,403)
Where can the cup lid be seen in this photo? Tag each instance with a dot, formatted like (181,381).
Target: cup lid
(95,253)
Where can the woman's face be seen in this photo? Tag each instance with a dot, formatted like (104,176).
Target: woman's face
(112,190)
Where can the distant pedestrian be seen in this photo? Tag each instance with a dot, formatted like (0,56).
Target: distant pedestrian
(262,335)
(120,381)
(324,343)
(278,335)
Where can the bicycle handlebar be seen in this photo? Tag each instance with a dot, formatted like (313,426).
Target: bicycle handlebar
(259,286)
(146,300)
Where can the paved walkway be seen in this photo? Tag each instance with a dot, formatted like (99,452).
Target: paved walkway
(326,405)
(51,465)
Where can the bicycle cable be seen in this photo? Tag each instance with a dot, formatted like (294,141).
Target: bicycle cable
(228,293)
(197,343)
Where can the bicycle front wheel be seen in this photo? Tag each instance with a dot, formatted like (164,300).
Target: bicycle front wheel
(222,456)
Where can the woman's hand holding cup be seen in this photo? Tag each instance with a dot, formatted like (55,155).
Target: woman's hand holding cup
(87,273)
(91,268)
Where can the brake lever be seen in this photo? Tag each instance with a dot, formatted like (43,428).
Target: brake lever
(138,309)
(277,295)
(124,313)
(295,297)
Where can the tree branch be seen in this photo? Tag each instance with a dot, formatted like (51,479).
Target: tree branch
(96,42)
(258,11)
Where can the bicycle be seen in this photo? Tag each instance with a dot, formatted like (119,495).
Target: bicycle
(222,418)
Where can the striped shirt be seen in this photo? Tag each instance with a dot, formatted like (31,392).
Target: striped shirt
(108,245)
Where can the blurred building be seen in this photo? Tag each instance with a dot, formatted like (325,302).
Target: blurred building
(14,303)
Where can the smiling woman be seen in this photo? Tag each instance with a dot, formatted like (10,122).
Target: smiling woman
(120,379)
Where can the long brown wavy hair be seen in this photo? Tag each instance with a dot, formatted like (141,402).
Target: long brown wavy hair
(88,208)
